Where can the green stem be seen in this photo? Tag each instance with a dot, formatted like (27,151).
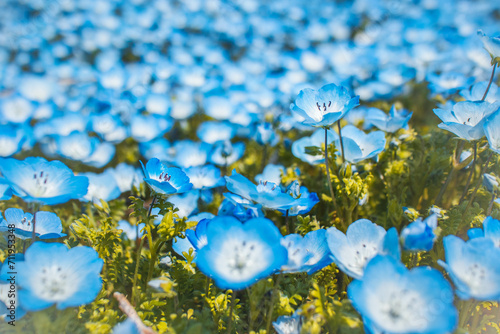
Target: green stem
(230,321)
(33,233)
(341,141)
(490,206)
(136,272)
(154,255)
(478,183)
(458,152)
(469,179)
(271,307)
(328,170)
(489,83)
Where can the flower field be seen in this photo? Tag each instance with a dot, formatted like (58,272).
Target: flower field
(249,166)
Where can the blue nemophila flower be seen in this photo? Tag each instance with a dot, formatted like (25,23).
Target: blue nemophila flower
(226,153)
(392,299)
(325,106)
(189,153)
(448,82)
(419,235)
(363,240)
(101,187)
(265,135)
(39,180)
(205,177)
(317,139)
(288,324)
(48,225)
(240,208)
(271,173)
(53,274)
(308,254)
(466,118)
(126,176)
(397,119)
(359,146)
(165,180)
(268,194)
(492,130)
(213,132)
(305,200)
(11,140)
(474,267)
(490,230)
(492,45)
(237,255)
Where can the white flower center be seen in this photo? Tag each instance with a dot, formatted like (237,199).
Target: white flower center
(55,283)
(240,260)
(400,310)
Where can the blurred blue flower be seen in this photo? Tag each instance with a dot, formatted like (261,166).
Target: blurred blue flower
(325,106)
(288,324)
(419,235)
(53,274)
(271,173)
(352,251)
(392,299)
(226,153)
(101,187)
(165,180)
(214,132)
(397,119)
(238,255)
(473,266)
(490,230)
(39,180)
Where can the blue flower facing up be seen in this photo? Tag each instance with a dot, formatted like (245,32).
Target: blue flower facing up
(359,146)
(306,254)
(474,267)
(39,180)
(267,194)
(324,107)
(165,180)
(48,225)
(419,235)
(397,119)
(392,299)
(466,119)
(53,274)
(352,251)
(238,255)
(490,230)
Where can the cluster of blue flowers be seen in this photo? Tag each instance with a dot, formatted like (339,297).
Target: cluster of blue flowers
(175,101)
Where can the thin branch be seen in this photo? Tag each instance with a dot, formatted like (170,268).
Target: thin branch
(131,313)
